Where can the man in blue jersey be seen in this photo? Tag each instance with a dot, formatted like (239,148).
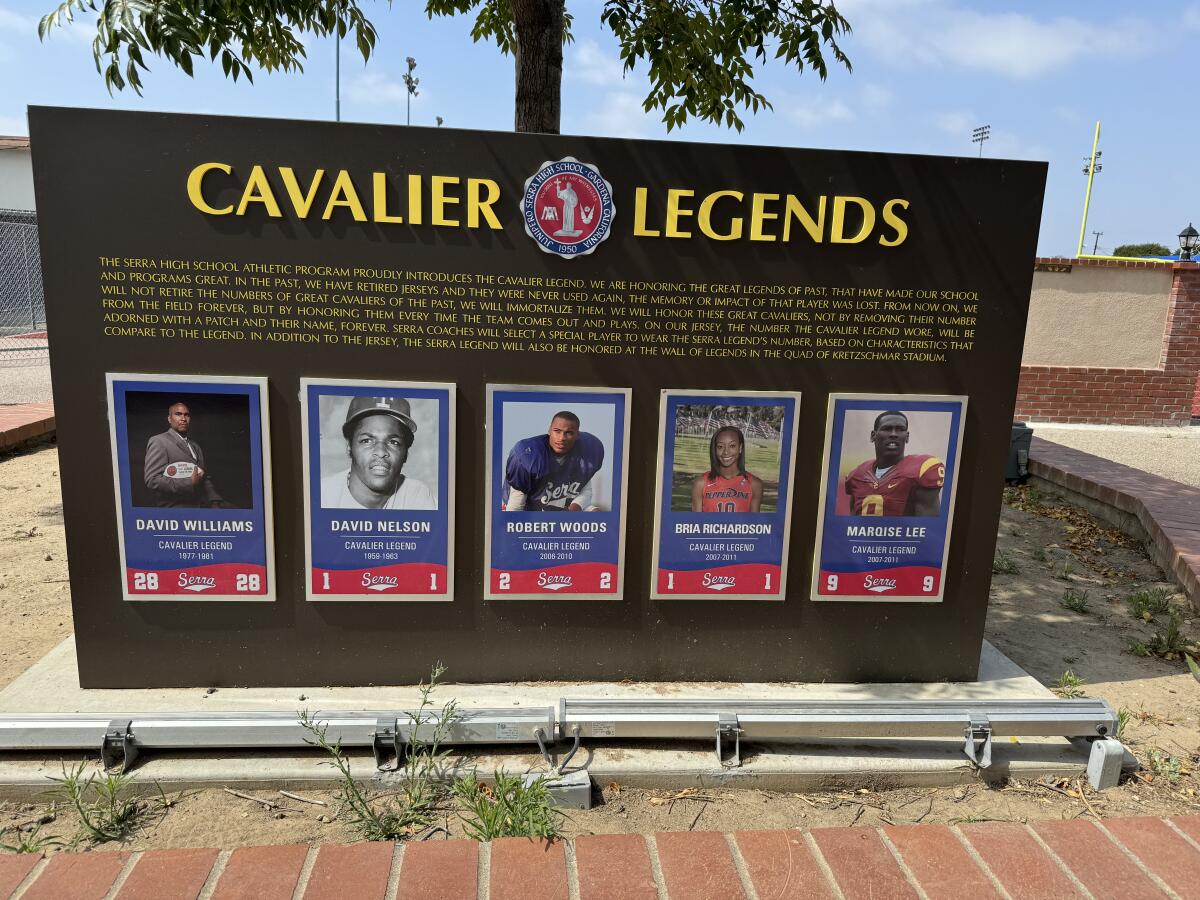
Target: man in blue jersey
(553,472)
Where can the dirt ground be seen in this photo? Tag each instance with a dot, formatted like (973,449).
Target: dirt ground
(1047,552)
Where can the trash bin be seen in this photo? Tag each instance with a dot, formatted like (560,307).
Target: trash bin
(1018,453)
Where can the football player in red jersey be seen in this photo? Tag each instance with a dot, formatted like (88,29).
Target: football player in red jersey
(893,484)
(727,486)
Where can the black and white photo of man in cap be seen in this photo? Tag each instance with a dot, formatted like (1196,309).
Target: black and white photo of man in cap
(379,432)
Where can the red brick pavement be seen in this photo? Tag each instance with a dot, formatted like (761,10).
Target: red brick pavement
(1126,858)
(25,422)
(1167,510)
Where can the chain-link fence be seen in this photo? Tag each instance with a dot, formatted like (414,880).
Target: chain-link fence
(22,306)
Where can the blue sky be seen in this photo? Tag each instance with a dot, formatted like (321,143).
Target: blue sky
(925,73)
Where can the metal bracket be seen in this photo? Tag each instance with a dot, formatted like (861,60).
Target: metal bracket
(117,748)
(386,745)
(729,730)
(978,745)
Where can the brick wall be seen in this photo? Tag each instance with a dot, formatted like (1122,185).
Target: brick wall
(1166,395)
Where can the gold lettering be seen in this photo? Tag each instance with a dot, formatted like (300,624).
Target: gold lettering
(795,209)
(440,201)
(900,226)
(476,205)
(759,215)
(704,217)
(675,212)
(639,215)
(380,196)
(414,200)
(344,194)
(195,188)
(258,190)
(837,234)
(302,203)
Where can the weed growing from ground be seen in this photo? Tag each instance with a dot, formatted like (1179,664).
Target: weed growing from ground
(1124,714)
(1166,644)
(1066,571)
(1039,554)
(1169,643)
(105,812)
(1165,766)
(1149,603)
(1069,685)
(510,808)
(395,817)
(32,841)
(1075,601)
(1004,564)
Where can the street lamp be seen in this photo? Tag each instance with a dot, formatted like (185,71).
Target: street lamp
(1188,239)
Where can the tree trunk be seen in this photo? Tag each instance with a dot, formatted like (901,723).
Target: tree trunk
(539,59)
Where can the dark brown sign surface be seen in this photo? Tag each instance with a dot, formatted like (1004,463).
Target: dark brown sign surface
(202,246)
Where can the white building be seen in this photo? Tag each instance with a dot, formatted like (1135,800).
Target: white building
(16,174)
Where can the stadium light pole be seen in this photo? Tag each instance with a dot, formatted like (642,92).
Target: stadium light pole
(411,84)
(979,135)
(1091,167)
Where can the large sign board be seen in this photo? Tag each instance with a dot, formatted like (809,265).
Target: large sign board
(464,288)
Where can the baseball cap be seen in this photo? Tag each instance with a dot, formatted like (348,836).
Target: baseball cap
(396,407)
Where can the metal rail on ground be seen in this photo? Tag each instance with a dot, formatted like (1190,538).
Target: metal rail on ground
(974,723)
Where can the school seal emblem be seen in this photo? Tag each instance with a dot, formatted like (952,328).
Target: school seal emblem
(567,207)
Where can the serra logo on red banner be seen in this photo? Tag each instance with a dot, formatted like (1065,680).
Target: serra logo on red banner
(879,585)
(553,582)
(718,582)
(379,582)
(196,583)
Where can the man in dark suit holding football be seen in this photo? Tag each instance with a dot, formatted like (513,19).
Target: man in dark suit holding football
(175,468)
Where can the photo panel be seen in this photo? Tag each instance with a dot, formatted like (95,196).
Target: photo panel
(726,464)
(556,492)
(191,477)
(887,496)
(378,489)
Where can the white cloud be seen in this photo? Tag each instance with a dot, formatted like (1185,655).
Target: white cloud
(377,89)
(956,122)
(620,114)
(876,98)
(812,112)
(81,31)
(1009,44)
(589,64)
(22,24)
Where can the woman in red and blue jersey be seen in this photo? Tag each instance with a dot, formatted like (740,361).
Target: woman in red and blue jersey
(727,486)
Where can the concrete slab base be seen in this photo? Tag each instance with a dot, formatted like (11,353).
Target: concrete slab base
(51,686)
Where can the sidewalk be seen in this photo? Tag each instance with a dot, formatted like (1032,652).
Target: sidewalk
(1117,858)
(25,422)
